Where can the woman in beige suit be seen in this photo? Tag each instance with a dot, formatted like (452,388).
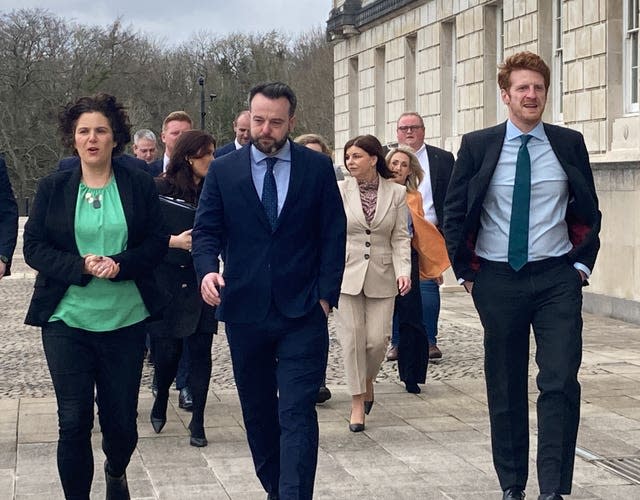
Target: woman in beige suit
(378,266)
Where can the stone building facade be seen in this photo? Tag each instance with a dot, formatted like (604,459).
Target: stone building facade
(439,57)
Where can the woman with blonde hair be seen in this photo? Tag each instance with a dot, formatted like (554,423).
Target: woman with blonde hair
(428,261)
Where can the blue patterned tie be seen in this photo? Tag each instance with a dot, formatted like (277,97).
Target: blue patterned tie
(519,223)
(270,193)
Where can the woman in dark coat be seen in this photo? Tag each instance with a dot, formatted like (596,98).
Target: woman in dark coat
(94,237)
(187,316)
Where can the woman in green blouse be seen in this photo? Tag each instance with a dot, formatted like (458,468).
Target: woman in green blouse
(94,237)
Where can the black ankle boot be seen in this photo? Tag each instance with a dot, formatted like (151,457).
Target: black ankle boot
(117,487)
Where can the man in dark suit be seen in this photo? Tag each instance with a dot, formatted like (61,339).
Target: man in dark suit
(437,165)
(241,127)
(8,221)
(173,125)
(71,162)
(274,211)
(521,222)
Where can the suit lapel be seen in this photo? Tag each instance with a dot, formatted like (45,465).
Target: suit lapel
(248,189)
(352,201)
(70,199)
(494,142)
(125,190)
(296,178)
(383,201)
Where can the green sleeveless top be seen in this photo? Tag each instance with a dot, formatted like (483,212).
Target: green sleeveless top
(101,229)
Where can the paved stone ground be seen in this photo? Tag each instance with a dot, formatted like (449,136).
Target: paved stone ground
(429,446)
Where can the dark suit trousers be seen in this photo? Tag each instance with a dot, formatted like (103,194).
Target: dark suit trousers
(279,365)
(546,295)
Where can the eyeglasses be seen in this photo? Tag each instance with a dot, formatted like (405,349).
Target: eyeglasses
(409,128)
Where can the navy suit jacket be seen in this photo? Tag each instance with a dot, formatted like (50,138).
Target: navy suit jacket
(472,173)
(293,266)
(8,217)
(74,161)
(50,245)
(156,167)
(230,147)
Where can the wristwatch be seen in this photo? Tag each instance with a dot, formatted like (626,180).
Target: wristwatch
(4,259)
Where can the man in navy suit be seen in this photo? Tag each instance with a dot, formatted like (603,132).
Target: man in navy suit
(173,125)
(241,127)
(274,211)
(521,221)
(8,221)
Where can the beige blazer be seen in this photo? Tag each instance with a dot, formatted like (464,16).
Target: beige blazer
(378,254)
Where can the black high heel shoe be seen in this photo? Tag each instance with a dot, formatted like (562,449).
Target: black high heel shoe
(197,438)
(158,417)
(357,427)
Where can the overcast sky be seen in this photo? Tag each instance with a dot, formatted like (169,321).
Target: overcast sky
(174,21)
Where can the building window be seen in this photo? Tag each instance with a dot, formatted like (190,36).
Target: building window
(630,50)
(556,73)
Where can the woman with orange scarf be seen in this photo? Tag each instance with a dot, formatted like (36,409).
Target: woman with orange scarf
(428,261)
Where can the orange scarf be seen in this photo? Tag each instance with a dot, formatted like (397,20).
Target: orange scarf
(427,240)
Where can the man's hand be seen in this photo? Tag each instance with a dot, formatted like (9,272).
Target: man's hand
(583,275)
(404,285)
(210,288)
(3,269)
(325,306)
(468,286)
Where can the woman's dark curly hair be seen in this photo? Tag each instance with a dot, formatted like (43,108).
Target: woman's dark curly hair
(190,144)
(100,103)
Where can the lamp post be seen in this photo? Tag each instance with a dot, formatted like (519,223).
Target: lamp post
(202,110)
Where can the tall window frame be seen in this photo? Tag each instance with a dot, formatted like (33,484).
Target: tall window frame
(630,55)
(557,82)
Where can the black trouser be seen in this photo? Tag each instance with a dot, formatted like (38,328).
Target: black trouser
(546,295)
(166,354)
(110,362)
(413,346)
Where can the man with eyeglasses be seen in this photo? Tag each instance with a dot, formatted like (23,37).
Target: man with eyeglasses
(437,165)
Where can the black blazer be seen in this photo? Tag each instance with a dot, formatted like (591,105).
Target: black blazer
(50,246)
(472,173)
(187,313)
(230,147)
(71,162)
(440,168)
(8,217)
(294,266)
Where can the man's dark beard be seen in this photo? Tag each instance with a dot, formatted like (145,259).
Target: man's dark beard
(269,150)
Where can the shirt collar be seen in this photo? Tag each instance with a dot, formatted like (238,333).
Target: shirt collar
(284,154)
(514,132)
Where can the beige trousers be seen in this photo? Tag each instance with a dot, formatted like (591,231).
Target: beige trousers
(364,327)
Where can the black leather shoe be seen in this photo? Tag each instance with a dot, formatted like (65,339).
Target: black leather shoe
(513,493)
(367,407)
(158,416)
(412,388)
(198,438)
(324,394)
(185,400)
(549,496)
(117,487)
(356,427)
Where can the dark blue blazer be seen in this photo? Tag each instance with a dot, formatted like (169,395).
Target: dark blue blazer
(74,161)
(156,167)
(294,266)
(50,245)
(8,217)
(230,147)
